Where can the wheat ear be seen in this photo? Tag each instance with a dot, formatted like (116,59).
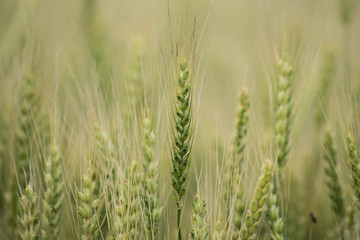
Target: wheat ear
(199,227)
(89,207)
(23,137)
(354,164)
(254,215)
(333,183)
(150,180)
(181,148)
(237,186)
(29,214)
(133,201)
(53,196)
(274,215)
(283,112)
(24,134)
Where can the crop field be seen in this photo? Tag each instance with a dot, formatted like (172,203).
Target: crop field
(170,119)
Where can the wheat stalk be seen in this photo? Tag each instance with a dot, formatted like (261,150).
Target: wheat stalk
(181,148)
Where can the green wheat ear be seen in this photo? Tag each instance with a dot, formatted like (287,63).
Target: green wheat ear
(254,215)
(283,112)
(238,160)
(333,183)
(25,131)
(150,180)
(354,164)
(199,227)
(181,144)
(133,201)
(28,220)
(53,196)
(88,207)
(23,139)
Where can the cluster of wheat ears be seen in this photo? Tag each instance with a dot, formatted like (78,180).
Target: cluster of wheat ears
(116,192)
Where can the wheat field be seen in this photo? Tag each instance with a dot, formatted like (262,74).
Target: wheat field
(169,119)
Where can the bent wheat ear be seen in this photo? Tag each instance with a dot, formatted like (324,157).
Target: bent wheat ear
(88,208)
(354,164)
(181,145)
(200,227)
(283,113)
(333,183)
(29,214)
(53,198)
(254,215)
